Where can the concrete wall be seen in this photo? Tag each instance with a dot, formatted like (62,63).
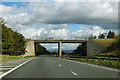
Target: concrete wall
(30,48)
(94,48)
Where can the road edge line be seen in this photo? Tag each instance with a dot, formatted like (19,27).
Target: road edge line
(4,74)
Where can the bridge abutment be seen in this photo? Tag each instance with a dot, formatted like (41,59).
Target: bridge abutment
(94,48)
(30,48)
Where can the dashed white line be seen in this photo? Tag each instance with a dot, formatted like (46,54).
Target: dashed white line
(73,73)
(60,65)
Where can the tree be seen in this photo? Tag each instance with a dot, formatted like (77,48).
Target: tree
(101,36)
(13,43)
(92,37)
(80,50)
(117,37)
(40,50)
(54,52)
(111,34)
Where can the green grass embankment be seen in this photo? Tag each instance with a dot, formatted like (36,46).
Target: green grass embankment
(5,58)
(106,63)
(110,44)
(104,42)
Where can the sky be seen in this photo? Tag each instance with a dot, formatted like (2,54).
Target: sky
(66,19)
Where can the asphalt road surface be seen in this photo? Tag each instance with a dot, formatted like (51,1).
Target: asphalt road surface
(53,67)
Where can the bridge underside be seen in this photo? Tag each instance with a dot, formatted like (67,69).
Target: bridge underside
(89,48)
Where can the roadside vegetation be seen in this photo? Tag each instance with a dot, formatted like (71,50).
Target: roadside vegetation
(41,50)
(106,63)
(13,43)
(5,58)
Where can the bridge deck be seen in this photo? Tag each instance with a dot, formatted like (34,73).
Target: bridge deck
(61,40)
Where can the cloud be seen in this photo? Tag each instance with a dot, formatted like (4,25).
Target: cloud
(28,32)
(5,9)
(87,32)
(70,13)
(51,32)
(74,13)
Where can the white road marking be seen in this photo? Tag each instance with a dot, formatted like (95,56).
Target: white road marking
(15,68)
(54,61)
(60,65)
(73,73)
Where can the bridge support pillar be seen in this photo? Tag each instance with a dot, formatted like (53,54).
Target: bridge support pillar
(60,49)
(30,48)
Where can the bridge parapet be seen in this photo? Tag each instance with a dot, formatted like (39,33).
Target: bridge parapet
(61,40)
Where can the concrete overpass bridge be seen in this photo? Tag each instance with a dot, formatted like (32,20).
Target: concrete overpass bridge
(89,48)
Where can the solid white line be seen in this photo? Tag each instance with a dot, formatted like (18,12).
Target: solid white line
(15,68)
(60,65)
(73,73)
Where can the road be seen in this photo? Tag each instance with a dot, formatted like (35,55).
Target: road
(53,67)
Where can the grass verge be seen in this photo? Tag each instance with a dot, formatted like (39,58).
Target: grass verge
(5,58)
(106,63)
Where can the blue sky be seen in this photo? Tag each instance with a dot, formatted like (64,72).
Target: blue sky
(17,4)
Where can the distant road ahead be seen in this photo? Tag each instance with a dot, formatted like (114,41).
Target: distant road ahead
(53,67)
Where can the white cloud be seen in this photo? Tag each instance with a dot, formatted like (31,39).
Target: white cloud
(28,32)
(75,13)
(48,32)
(87,32)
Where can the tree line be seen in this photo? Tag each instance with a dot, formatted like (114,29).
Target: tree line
(13,43)
(39,50)
(108,35)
